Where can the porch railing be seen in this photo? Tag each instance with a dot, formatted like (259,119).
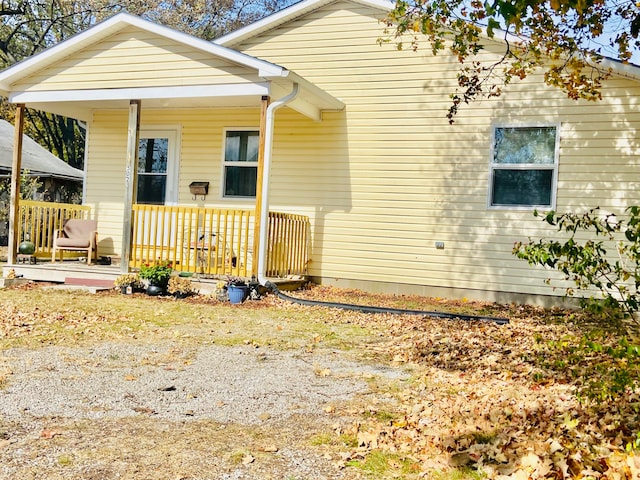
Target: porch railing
(38,221)
(287,245)
(217,241)
(211,241)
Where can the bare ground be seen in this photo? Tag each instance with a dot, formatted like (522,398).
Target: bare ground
(101,387)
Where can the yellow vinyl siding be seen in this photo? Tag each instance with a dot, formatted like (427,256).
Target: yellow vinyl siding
(390,176)
(386,178)
(104,181)
(199,159)
(133,58)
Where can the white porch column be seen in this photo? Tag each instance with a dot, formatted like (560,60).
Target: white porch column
(16,166)
(130,182)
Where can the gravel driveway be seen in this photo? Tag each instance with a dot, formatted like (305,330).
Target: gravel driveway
(254,389)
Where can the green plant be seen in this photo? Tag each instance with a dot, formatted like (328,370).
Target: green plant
(157,273)
(591,263)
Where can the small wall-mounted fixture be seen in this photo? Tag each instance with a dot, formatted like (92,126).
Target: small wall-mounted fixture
(199,188)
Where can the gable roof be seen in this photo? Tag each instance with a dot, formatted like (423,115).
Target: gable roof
(39,161)
(112,26)
(304,7)
(268,78)
(290,13)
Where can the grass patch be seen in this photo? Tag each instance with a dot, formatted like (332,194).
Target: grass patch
(50,317)
(334,440)
(380,464)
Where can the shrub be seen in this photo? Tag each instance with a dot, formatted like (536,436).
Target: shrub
(590,263)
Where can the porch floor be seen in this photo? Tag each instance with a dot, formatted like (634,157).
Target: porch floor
(78,273)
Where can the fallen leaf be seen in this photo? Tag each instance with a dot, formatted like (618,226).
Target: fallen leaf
(269,449)
(150,411)
(48,434)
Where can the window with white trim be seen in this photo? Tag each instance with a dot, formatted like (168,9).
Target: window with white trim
(240,163)
(524,166)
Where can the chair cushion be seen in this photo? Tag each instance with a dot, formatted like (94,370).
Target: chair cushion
(72,242)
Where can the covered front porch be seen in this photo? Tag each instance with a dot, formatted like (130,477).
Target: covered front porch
(210,243)
(137,86)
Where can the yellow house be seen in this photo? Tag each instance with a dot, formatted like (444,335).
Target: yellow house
(194,146)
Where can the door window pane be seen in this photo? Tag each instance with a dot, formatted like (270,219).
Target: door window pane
(152,170)
(151,189)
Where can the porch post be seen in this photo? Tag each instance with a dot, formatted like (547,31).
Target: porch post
(130,182)
(260,175)
(16,166)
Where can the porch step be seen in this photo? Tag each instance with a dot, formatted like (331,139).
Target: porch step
(88,282)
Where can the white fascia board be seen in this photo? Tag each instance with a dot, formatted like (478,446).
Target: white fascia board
(62,49)
(119,22)
(287,14)
(142,93)
(628,70)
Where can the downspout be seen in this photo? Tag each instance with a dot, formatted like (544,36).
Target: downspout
(264,213)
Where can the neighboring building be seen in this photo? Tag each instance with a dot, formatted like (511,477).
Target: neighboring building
(59,181)
(37,161)
(399,200)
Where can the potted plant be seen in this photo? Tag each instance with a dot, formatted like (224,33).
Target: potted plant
(237,289)
(128,282)
(157,275)
(180,287)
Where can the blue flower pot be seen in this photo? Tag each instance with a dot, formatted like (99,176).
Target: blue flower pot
(237,294)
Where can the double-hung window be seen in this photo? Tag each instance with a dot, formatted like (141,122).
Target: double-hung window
(240,163)
(524,167)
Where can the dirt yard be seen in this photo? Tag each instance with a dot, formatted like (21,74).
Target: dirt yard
(110,386)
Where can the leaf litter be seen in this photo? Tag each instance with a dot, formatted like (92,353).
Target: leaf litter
(484,400)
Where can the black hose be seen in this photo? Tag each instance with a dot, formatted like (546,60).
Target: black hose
(368,309)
